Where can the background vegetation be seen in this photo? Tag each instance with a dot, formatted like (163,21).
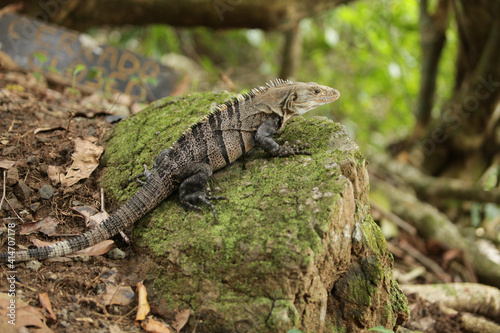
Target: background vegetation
(368,50)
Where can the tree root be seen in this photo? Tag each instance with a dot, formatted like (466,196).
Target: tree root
(435,187)
(431,223)
(478,306)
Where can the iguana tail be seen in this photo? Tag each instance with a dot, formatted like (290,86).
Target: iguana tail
(150,195)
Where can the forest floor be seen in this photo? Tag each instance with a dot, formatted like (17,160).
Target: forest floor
(39,129)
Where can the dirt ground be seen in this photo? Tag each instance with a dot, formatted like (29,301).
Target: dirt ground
(39,129)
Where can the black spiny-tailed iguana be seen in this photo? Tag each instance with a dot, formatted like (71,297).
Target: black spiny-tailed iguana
(215,141)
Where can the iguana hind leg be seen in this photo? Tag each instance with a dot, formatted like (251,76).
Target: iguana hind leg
(194,179)
(161,159)
(146,174)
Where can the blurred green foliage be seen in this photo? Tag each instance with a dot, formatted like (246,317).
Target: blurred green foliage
(368,50)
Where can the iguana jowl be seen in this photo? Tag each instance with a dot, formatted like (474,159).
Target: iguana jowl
(215,141)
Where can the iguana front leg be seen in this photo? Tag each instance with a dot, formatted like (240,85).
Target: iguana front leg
(264,137)
(194,178)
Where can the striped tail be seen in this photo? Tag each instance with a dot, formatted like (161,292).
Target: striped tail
(150,195)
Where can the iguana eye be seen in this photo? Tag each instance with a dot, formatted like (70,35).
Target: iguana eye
(317,91)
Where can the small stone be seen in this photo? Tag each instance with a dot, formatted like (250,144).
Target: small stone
(22,191)
(32,159)
(76,203)
(34,265)
(114,118)
(12,176)
(64,314)
(116,254)
(16,205)
(34,206)
(46,192)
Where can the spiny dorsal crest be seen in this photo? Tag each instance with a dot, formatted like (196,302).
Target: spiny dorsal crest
(240,98)
(255,91)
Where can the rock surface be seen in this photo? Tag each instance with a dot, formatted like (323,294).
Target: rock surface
(294,247)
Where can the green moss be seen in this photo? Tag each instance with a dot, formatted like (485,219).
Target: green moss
(399,302)
(272,220)
(374,236)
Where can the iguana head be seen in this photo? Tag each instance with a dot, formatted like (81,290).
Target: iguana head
(303,97)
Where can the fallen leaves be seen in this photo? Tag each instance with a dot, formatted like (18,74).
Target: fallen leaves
(6,164)
(27,318)
(114,294)
(47,226)
(85,160)
(143,308)
(153,326)
(96,250)
(181,318)
(45,302)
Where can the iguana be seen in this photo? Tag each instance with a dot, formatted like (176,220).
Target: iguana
(217,140)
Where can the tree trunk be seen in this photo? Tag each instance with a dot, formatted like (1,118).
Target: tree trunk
(80,15)
(463,141)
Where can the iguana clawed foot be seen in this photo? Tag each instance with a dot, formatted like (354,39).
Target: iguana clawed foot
(191,200)
(298,148)
(194,178)
(146,174)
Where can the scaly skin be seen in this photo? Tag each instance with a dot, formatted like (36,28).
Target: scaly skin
(209,145)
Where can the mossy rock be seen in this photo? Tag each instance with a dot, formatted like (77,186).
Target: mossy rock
(293,247)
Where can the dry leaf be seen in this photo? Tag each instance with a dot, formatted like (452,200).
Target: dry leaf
(92,216)
(27,317)
(143,308)
(153,326)
(55,174)
(108,274)
(97,219)
(45,302)
(121,295)
(40,243)
(96,250)
(47,129)
(85,160)
(85,211)
(181,319)
(6,164)
(48,226)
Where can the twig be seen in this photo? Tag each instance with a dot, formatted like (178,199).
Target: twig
(3,189)
(394,218)
(420,257)
(5,199)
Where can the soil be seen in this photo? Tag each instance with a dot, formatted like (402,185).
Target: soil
(39,125)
